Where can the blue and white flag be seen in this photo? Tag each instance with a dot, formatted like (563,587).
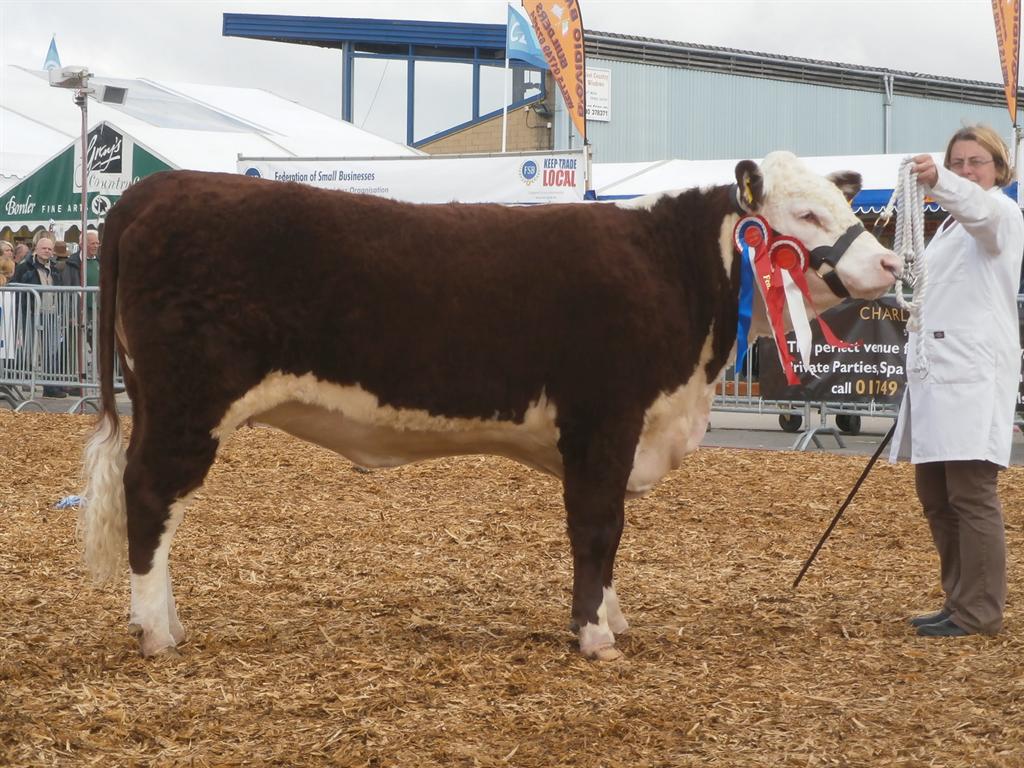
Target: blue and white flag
(52,57)
(521,41)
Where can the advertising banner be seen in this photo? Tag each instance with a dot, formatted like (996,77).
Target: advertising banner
(1007,17)
(559,29)
(599,94)
(1020,391)
(542,177)
(875,369)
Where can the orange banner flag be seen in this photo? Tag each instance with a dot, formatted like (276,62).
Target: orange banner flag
(559,28)
(1007,18)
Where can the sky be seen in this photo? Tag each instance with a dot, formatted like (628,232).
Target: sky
(182,41)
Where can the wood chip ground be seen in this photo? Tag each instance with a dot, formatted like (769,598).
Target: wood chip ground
(419,617)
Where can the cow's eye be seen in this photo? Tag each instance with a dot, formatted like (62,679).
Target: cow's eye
(811,218)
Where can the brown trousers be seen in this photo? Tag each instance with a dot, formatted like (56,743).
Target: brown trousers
(962,505)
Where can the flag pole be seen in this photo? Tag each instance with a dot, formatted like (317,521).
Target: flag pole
(504,101)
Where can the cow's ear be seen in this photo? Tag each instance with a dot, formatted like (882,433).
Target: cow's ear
(749,186)
(849,182)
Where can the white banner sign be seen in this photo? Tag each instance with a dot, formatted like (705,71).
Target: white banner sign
(599,94)
(544,177)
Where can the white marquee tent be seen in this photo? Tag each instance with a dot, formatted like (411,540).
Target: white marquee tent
(199,127)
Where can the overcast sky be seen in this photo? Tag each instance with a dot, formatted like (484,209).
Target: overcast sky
(182,41)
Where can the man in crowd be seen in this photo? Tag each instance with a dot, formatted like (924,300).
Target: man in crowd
(92,262)
(39,270)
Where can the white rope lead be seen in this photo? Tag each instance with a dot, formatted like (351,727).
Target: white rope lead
(908,201)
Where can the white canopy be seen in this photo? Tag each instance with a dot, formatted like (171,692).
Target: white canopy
(199,127)
(613,181)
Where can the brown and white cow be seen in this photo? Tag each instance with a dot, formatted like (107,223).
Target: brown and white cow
(392,332)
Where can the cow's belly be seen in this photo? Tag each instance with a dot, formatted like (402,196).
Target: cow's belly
(350,421)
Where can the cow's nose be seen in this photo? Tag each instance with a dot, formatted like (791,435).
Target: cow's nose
(892,264)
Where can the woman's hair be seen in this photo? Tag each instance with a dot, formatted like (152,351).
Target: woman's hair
(6,269)
(992,142)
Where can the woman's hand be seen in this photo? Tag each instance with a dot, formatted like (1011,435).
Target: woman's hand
(924,167)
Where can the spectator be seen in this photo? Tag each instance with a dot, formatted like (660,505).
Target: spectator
(92,262)
(6,250)
(20,253)
(963,366)
(6,267)
(60,262)
(39,271)
(7,313)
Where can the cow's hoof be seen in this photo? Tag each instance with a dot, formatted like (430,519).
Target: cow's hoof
(154,646)
(608,653)
(171,653)
(135,630)
(178,633)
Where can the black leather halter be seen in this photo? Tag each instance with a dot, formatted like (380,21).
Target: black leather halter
(831,254)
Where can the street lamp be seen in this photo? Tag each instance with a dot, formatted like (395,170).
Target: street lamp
(77,78)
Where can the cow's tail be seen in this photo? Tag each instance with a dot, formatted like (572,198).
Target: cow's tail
(103,519)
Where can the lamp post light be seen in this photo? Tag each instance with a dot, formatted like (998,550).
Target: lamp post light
(77,78)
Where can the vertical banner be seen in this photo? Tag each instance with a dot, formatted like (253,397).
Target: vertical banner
(1007,18)
(559,28)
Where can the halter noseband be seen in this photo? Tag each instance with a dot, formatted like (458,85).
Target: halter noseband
(831,254)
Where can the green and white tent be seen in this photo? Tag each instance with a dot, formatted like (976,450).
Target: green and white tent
(51,196)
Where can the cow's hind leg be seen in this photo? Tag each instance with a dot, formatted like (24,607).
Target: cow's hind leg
(597,468)
(166,462)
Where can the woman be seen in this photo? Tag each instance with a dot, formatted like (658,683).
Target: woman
(963,369)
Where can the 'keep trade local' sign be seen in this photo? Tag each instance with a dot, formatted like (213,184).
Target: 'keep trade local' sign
(874,369)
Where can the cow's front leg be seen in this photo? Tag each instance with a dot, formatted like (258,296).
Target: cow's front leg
(595,608)
(596,472)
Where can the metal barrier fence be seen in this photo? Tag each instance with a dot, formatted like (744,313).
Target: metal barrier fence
(47,348)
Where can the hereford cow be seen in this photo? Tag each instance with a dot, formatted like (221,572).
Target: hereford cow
(391,332)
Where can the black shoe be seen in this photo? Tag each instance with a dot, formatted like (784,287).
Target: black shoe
(944,628)
(929,618)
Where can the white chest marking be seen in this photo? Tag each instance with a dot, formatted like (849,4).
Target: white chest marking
(674,425)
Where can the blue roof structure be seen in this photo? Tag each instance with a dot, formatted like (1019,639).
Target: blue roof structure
(332,32)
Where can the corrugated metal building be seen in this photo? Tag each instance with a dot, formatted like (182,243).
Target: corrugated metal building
(681,100)
(668,99)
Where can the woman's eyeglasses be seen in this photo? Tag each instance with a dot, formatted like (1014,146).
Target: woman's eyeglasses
(971,162)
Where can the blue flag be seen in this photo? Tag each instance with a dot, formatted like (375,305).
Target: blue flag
(52,57)
(521,41)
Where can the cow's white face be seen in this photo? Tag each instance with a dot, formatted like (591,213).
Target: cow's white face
(813,209)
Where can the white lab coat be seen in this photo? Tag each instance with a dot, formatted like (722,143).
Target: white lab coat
(963,367)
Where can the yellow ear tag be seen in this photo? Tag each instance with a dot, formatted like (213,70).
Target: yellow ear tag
(748,195)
